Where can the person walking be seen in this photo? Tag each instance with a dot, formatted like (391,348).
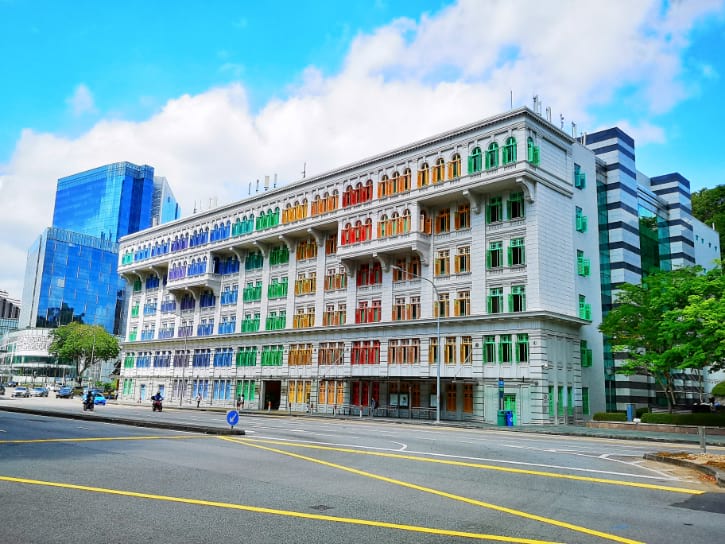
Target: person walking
(198,400)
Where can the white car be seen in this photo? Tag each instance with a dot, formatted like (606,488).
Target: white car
(21,392)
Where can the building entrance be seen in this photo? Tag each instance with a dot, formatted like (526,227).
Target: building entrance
(272,393)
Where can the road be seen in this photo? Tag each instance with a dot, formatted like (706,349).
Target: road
(297,479)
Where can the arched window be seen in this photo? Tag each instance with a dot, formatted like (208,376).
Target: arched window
(492,156)
(509,151)
(368,192)
(383,226)
(423,175)
(454,167)
(368,231)
(405,221)
(358,194)
(405,180)
(392,184)
(383,187)
(347,196)
(532,151)
(332,201)
(394,227)
(475,161)
(438,171)
(358,237)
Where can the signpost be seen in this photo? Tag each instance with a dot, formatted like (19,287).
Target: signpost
(232,418)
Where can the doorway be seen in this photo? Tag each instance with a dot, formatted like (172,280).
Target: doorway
(272,393)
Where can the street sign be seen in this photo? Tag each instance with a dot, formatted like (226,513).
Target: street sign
(232,417)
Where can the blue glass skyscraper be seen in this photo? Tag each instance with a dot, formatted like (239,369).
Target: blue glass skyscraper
(71,269)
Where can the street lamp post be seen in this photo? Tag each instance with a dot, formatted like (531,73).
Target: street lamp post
(438,341)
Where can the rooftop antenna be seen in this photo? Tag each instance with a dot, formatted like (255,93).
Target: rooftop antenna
(548,113)
(561,119)
(304,170)
(266,183)
(249,192)
(537,105)
(275,181)
(257,190)
(573,129)
(512,98)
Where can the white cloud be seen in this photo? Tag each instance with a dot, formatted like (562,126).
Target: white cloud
(399,83)
(81,101)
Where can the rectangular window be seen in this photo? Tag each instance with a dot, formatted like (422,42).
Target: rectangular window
(517,298)
(515,205)
(441,308)
(581,220)
(585,310)
(442,264)
(489,349)
(583,267)
(466,350)
(585,354)
(463,259)
(522,348)
(463,303)
(494,210)
(463,217)
(495,300)
(585,400)
(494,255)
(505,349)
(517,252)
(443,221)
(449,353)
(580,178)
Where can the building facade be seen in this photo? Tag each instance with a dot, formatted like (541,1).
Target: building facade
(71,268)
(645,224)
(473,256)
(481,259)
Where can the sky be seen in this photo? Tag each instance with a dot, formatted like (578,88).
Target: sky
(217,94)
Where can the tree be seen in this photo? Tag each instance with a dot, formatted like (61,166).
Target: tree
(708,205)
(82,345)
(672,321)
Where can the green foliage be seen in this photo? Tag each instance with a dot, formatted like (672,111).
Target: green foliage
(82,345)
(610,416)
(640,412)
(672,321)
(705,419)
(708,205)
(719,390)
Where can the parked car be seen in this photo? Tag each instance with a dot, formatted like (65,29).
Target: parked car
(38,392)
(64,393)
(99,399)
(21,392)
(12,383)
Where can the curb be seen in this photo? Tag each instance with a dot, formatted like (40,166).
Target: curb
(132,422)
(717,474)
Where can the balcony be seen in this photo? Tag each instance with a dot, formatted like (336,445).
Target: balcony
(207,280)
(416,242)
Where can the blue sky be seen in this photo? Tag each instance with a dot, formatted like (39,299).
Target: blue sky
(215,97)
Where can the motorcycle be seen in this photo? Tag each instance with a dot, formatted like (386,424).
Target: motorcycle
(88,404)
(156,406)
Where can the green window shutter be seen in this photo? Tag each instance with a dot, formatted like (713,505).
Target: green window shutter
(511,302)
(471,164)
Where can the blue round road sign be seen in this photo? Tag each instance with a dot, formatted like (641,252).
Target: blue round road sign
(232,417)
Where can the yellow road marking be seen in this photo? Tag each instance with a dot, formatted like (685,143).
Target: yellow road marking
(490,506)
(468,464)
(102,439)
(274,511)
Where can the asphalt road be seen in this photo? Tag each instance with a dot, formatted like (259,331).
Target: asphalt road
(310,480)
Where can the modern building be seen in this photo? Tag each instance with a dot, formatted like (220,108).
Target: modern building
(71,269)
(646,224)
(24,358)
(470,267)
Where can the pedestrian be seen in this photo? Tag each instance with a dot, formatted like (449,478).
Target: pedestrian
(198,400)
(373,405)
(239,403)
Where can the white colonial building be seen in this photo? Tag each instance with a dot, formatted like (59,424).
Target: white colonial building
(335,292)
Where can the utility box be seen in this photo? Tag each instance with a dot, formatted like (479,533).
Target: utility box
(630,412)
(502,418)
(509,418)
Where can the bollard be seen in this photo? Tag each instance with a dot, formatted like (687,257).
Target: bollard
(701,433)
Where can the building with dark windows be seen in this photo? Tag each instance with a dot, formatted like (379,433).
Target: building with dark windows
(464,274)
(646,224)
(71,271)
